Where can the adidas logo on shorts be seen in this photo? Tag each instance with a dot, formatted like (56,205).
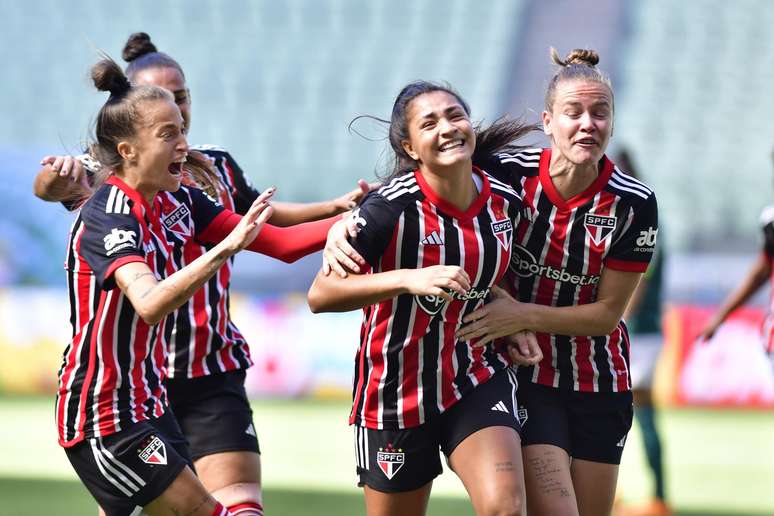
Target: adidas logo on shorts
(500,407)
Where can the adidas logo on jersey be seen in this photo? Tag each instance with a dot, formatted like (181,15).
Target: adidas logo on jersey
(432,239)
(500,407)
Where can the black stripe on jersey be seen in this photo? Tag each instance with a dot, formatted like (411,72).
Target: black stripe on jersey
(536,240)
(604,379)
(402,321)
(575,240)
(126,319)
(563,351)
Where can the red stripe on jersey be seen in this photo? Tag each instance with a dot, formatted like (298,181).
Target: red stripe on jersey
(473,266)
(108,368)
(227,196)
(625,266)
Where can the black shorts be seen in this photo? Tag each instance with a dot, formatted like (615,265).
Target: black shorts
(214,413)
(587,425)
(133,467)
(394,461)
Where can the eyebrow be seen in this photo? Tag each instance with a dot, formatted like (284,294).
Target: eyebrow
(431,114)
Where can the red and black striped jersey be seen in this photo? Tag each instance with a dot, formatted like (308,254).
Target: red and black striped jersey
(767,227)
(409,365)
(112,370)
(561,247)
(203,339)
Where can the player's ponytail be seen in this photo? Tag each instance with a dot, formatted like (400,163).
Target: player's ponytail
(578,65)
(141,54)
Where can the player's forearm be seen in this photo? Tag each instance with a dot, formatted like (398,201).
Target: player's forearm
(598,318)
(50,186)
(754,280)
(157,301)
(335,294)
(290,214)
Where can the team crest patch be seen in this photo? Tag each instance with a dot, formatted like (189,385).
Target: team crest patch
(390,460)
(430,304)
(153,451)
(178,220)
(503,230)
(522,416)
(599,227)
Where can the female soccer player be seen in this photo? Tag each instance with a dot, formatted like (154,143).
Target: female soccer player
(587,233)
(436,238)
(125,276)
(208,355)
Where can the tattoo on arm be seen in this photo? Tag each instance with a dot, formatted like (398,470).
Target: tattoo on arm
(138,276)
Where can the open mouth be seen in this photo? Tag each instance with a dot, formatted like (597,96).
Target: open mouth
(586,142)
(451,145)
(176,168)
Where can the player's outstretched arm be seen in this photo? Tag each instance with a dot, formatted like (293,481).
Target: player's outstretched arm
(153,300)
(332,293)
(290,214)
(506,316)
(62,179)
(758,274)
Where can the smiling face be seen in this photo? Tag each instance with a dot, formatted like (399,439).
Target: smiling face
(439,131)
(155,154)
(580,122)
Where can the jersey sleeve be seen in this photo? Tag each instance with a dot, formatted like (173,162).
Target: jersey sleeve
(375,219)
(204,209)
(109,241)
(635,246)
(245,193)
(493,166)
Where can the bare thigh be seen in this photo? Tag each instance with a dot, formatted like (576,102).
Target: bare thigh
(594,486)
(489,464)
(409,503)
(548,480)
(231,477)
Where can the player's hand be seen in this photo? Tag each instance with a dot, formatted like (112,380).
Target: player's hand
(523,348)
(67,167)
(338,255)
(350,200)
(437,280)
(709,330)
(497,318)
(248,228)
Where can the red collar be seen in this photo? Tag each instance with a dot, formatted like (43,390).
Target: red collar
(449,208)
(144,209)
(605,171)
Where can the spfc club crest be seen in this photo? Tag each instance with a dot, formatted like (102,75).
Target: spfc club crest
(178,220)
(599,227)
(153,451)
(430,304)
(503,230)
(390,460)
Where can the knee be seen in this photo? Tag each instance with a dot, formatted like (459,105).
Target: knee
(501,505)
(238,493)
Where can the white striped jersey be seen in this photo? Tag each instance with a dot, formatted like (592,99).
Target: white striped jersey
(561,247)
(112,370)
(409,365)
(767,227)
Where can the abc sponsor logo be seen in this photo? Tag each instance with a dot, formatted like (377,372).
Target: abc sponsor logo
(119,239)
(524,264)
(646,241)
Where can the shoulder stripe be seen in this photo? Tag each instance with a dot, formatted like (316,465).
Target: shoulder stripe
(528,158)
(207,147)
(493,181)
(117,202)
(403,191)
(619,186)
(508,191)
(630,181)
(405,180)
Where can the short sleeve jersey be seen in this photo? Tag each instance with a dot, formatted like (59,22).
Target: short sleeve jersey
(409,365)
(561,248)
(203,339)
(112,370)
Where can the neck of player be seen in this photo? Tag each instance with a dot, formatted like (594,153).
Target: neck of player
(453,183)
(134,180)
(570,178)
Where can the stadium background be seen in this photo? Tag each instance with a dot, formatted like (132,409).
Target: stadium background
(277,83)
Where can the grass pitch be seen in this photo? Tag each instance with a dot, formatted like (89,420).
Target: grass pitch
(718,463)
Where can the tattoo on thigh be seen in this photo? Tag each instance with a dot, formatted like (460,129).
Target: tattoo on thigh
(504,466)
(546,469)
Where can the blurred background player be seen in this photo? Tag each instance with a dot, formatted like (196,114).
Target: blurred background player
(435,238)
(757,276)
(643,318)
(586,236)
(207,353)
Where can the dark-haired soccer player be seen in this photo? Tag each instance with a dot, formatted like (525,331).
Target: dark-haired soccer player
(436,238)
